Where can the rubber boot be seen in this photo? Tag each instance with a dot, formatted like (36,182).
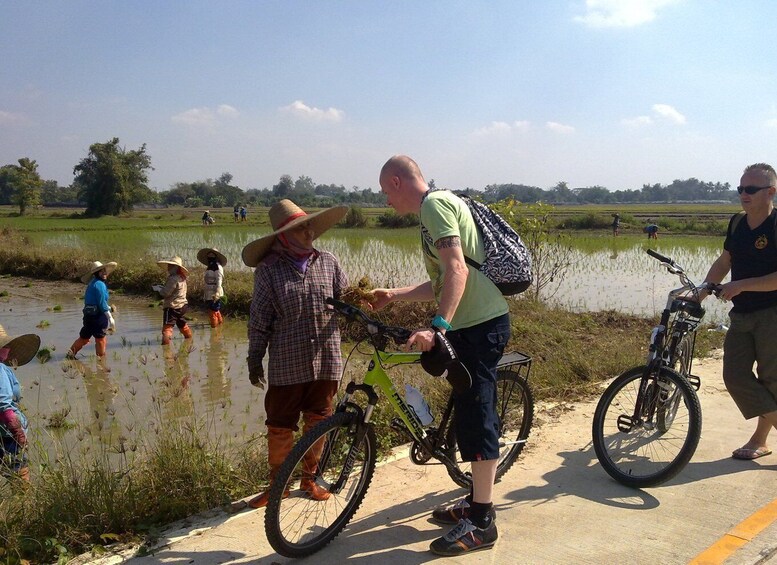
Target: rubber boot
(187,332)
(279,443)
(76,347)
(214,318)
(310,460)
(100,345)
(167,334)
(24,474)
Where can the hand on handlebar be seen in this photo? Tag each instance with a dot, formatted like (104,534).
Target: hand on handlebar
(421,340)
(729,290)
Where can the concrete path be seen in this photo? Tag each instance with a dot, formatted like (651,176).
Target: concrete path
(555,506)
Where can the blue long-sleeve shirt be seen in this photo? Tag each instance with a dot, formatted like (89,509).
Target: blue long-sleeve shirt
(97,295)
(10,396)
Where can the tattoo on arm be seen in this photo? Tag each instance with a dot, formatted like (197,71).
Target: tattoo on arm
(452,241)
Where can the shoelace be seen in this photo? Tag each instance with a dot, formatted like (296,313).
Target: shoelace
(463,527)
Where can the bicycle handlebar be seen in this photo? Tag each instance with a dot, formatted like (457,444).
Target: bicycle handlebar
(374,328)
(661,258)
(676,269)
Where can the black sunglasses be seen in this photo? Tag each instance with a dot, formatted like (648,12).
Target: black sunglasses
(751,189)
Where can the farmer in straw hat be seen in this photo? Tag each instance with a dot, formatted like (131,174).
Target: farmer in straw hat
(289,315)
(14,352)
(215,261)
(174,293)
(97,312)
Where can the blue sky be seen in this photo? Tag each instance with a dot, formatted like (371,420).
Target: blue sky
(616,93)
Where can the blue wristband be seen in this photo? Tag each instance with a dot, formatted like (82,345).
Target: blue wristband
(440,322)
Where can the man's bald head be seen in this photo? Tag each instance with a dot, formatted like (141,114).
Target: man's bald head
(403,167)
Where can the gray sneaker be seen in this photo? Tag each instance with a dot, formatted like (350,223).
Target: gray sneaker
(465,537)
(452,514)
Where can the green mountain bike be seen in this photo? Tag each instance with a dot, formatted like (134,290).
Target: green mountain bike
(345,445)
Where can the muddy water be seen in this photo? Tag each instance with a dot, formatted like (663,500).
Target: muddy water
(142,385)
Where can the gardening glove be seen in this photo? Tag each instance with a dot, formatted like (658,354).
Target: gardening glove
(111,323)
(113,308)
(157,288)
(11,422)
(256,373)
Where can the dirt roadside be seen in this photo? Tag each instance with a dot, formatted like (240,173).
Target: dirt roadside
(555,506)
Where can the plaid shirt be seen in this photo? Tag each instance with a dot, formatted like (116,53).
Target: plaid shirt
(288,312)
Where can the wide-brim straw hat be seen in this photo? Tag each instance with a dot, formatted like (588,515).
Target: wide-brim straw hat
(23,347)
(202,256)
(174,261)
(97,266)
(286,215)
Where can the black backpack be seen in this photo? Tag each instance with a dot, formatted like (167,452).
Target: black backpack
(508,262)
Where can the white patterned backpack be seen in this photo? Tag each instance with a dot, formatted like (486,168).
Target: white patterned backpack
(508,262)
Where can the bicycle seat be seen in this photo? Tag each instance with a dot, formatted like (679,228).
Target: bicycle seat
(443,361)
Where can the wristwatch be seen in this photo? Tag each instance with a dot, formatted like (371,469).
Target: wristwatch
(440,323)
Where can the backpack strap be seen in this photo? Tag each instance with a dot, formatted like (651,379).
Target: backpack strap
(736,218)
(734,222)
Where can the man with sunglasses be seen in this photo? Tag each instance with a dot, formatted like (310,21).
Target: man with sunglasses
(750,253)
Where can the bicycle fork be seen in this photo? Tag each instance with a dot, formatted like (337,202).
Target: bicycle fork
(651,391)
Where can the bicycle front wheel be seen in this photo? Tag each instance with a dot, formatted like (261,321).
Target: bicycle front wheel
(649,448)
(331,456)
(515,408)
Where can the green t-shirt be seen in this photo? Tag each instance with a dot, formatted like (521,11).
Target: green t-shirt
(443,214)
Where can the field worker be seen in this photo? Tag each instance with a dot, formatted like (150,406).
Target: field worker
(97,312)
(14,352)
(243,213)
(750,254)
(616,224)
(236,212)
(474,316)
(214,261)
(207,219)
(175,304)
(289,316)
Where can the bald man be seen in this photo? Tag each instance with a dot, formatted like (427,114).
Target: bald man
(474,316)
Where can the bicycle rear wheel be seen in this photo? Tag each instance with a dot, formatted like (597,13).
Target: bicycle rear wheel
(652,447)
(515,407)
(297,526)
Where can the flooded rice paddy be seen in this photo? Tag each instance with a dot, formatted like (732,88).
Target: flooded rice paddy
(148,385)
(141,385)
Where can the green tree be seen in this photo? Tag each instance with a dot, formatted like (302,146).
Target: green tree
(26,184)
(111,180)
(551,252)
(284,188)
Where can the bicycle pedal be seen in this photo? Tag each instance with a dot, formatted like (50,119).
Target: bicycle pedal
(625,423)
(694,381)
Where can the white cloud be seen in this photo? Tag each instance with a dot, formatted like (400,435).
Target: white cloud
(637,121)
(227,111)
(204,116)
(621,13)
(501,128)
(10,117)
(494,128)
(521,125)
(559,128)
(667,111)
(300,109)
(772,123)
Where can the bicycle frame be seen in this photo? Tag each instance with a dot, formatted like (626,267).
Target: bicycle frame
(376,376)
(689,314)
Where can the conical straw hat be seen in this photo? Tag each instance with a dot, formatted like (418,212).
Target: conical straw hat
(285,215)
